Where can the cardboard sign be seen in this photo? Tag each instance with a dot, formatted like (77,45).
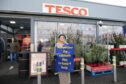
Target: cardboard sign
(65,61)
(38,59)
(65,9)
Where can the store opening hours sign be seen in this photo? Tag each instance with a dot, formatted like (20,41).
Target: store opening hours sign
(65,9)
(38,61)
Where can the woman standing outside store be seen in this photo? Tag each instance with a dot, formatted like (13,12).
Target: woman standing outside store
(63,76)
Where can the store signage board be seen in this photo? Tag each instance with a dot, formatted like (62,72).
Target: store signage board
(65,62)
(64,9)
(38,58)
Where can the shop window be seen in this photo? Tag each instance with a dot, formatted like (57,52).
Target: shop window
(107,33)
(47,33)
(43,34)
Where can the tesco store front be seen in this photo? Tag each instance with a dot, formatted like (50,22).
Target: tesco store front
(91,22)
(49,16)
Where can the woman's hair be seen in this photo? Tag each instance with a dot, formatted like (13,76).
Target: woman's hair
(62,35)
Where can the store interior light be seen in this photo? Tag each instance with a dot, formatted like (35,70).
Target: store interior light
(62,24)
(12,22)
(21,27)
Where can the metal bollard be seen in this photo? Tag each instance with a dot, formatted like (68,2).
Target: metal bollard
(114,69)
(39,69)
(82,71)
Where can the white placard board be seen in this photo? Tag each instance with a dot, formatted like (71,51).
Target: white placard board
(34,59)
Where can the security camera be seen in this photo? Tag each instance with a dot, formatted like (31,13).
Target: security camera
(100,23)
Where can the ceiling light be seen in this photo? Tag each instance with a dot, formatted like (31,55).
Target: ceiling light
(62,24)
(21,27)
(12,22)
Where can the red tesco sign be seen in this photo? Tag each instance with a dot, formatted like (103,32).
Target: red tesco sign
(63,9)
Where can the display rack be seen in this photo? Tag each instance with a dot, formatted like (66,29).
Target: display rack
(120,54)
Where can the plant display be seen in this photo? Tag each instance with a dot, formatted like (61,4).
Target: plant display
(53,38)
(79,47)
(76,39)
(92,54)
(118,39)
(96,54)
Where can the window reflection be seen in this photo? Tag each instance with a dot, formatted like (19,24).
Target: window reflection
(106,34)
(89,33)
(44,32)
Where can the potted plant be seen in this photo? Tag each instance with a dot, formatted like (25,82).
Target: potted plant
(119,40)
(51,61)
(76,39)
(96,58)
(96,54)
